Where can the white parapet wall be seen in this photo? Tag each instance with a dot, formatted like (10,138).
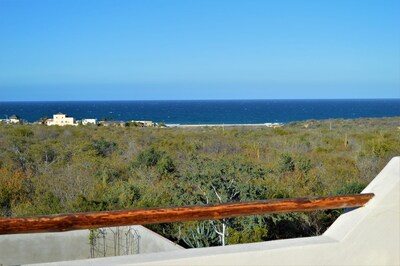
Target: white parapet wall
(368,235)
(44,247)
(74,245)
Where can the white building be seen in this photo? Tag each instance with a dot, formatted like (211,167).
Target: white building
(147,123)
(144,123)
(273,125)
(89,121)
(49,122)
(14,119)
(61,119)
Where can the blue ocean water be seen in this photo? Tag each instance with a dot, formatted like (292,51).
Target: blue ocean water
(207,111)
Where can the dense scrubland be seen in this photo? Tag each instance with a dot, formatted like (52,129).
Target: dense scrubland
(49,170)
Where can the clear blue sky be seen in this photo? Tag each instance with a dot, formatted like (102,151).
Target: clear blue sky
(268,49)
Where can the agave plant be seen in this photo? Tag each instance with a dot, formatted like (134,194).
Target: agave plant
(202,235)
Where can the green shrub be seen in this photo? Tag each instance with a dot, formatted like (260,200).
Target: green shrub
(165,165)
(354,187)
(103,147)
(304,165)
(149,157)
(286,163)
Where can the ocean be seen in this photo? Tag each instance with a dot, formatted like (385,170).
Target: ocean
(207,111)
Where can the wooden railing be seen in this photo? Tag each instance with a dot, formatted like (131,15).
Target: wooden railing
(92,220)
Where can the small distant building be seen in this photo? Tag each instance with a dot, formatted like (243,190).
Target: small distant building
(89,121)
(147,123)
(143,123)
(61,119)
(49,122)
(14,119)
(274,125)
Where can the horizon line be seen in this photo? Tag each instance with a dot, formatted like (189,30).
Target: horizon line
(228,99)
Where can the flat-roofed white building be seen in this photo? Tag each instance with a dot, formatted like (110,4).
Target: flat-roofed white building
(49,122)
(147,123)
(89,121)
(61,119)
(144,123)
(14,119)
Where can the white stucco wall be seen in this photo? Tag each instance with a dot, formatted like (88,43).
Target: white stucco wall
(44,247)
(74,245)
(369,235)
(151,242)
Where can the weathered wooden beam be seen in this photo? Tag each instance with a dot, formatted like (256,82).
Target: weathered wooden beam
(92,220)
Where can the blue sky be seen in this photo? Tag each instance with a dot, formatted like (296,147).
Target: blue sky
(132,50)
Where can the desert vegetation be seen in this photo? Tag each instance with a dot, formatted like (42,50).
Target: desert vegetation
(50,170)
